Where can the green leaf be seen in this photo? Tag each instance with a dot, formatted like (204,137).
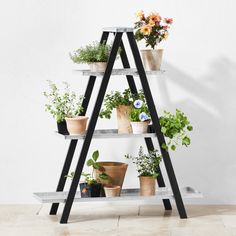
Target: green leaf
(90,162)
(173,147)
(103,176)
(96,166)
(164,146)
(163,130)
(190,128)
(95,155)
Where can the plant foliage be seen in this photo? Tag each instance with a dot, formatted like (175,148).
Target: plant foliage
(146,164)
(175,128)
(64,103)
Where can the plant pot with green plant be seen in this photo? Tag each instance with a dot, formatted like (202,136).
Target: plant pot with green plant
(60,104)
(175,128)
(95,55)
(109,174)
(146,165)
(139,116)
(91,187)
(152,29)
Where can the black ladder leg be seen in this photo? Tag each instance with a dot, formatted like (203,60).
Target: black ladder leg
(90,131)
(73,143)
(160,179)
(156,124)
(148,141)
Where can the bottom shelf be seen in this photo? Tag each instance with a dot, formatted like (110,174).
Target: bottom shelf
(126,195)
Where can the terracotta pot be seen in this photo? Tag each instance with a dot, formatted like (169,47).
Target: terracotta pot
(62,129)
(140,127)
(76,125)
(152,59)
(98,66)
(123,122)
(115,171)
(147,185)
(112,191)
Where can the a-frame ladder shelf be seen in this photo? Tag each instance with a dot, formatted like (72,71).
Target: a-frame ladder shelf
(108,133)
(126,71)
(126,195)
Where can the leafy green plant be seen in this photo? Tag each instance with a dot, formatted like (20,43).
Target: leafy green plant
(175,128)
(116,98)
(92,162)
(146,164)
(64,103)
(95,52)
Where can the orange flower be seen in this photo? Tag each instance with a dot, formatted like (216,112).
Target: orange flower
(154,17)
(146,30)
(140,14)
(151,23)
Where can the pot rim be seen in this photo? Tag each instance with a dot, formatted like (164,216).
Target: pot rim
(98,62)
(112,187)
(77,118)
(148,50)
(113,162)
(146,121)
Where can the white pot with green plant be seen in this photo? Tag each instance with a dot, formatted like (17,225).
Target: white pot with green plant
(146,165)
(139,116)
(95,55)
(91,186)
(175,128)
(152,29)
(122,103)
(60,104)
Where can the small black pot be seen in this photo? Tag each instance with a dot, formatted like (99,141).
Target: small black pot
(151,129)
(62,129)
(87,190)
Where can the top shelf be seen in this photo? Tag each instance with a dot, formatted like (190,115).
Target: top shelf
(117,29)
(127,71)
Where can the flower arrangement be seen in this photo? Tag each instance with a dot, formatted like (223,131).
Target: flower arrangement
(152,28)
(139,111)
(146,164)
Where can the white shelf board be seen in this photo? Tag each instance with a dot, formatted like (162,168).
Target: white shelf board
(126,195)
(109,133)
(127,71)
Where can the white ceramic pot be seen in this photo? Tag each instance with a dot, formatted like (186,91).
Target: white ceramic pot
(140,127)
(98,66)
(152,59)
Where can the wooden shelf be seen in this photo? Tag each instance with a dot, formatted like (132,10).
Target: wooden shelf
(126,195)
(128,71)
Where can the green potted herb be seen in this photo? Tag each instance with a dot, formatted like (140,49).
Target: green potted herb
(146,165)
(139,116)
(91,187)
(122,102)
(95,54)
(175,128)
(62,104)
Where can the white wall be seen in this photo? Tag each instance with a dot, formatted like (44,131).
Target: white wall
(200,58)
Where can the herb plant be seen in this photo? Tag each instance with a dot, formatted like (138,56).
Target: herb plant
(146,164)
(95,52)
(175,128)
(116,98)
(64,103)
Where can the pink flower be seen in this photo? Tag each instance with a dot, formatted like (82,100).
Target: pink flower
(168,20)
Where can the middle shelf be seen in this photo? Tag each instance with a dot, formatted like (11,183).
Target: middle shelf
(109,133)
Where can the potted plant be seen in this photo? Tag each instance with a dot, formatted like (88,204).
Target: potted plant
(122,102)
(91,187)
(175,128)
(60,103)
(139,116)
(95,54)
(152,29)
(146,165)
(110,174)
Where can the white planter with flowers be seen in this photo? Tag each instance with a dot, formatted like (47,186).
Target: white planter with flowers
(139,116)
(152,29)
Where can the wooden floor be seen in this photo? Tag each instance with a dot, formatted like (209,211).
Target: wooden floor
(87,219)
